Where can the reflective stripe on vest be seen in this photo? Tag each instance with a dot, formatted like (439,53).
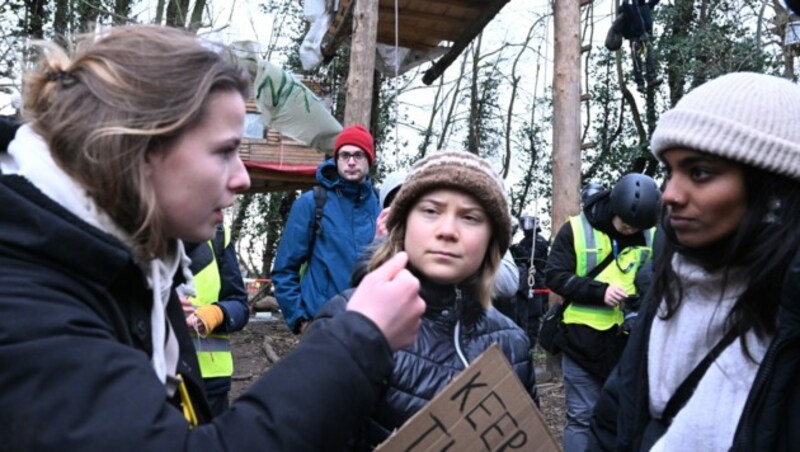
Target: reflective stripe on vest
(591,248)
(213,352)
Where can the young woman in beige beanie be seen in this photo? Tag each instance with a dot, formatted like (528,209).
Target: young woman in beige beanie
(452,218)
(715,364)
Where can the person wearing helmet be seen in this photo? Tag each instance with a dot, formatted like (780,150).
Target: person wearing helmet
(593,265)
(589,190)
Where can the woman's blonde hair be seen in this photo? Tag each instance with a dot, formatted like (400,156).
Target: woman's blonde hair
(120,97)
(482,280)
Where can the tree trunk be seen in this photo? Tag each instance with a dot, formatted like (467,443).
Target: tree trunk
(196,20)
(159,12)
(61,22)
(450,118)
(374,117)
(88,12)
(36,17)
(566,119)
(122,10)
(362,63)
(680,29)
(567,110)
(177,11)
(473,141)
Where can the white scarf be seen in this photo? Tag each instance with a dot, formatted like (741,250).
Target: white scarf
(29,156)
(708,420)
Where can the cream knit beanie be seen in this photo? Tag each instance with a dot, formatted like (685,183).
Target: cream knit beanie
(462,171)
(747,117)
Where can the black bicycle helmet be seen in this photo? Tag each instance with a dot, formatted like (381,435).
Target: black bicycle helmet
(636,200)
(589,190)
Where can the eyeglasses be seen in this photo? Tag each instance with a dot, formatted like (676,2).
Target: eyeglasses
(346,156)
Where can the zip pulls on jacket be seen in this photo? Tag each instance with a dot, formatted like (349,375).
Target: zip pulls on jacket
(457,330)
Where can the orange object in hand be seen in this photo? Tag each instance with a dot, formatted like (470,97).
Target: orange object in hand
(211,316)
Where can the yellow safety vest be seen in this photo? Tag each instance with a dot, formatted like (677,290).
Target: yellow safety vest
(591,248)
(213,352)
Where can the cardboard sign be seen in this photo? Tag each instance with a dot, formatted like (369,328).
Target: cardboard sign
(485,408)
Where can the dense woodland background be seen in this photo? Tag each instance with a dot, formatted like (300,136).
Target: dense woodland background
(494,101)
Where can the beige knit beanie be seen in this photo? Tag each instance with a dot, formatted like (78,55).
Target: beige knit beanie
(462,171)
(747,117)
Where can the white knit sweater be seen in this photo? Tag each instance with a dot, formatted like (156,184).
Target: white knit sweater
(708,420)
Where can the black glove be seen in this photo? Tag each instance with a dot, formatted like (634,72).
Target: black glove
(630,322)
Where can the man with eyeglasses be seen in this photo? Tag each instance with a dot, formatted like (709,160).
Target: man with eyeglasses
(593,264)
(327,229)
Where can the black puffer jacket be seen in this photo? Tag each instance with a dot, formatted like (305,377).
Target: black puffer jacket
(770,416)
(422,370)
(75,347)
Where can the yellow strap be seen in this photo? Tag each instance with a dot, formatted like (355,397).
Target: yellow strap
(186,403)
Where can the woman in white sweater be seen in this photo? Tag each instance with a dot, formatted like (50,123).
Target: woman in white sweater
(716,361)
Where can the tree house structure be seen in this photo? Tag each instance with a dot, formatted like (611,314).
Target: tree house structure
(274,161)
(426,27)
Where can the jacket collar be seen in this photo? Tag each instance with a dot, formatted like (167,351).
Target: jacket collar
(449,302)
(328,177)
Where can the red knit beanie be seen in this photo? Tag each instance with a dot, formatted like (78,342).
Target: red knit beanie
(357,136)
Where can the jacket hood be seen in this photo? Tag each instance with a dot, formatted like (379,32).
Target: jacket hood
(41,226)
(598,208)
(328,177)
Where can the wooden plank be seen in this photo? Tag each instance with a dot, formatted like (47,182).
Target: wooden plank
(440,8)
(489,11)
(276,148)
(386,14)
(422,30)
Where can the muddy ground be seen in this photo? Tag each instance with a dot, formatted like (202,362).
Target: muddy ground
(251,360)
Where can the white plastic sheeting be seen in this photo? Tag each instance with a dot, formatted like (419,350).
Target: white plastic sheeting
(317,13)
(293,110)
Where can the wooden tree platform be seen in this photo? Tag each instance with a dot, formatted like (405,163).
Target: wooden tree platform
(423,25)
(277,162)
